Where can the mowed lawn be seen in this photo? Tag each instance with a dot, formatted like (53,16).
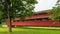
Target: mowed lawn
(30,31)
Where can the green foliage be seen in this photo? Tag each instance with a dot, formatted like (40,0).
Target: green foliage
(17,8)
(55,12)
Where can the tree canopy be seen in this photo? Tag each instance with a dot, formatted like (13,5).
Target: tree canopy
(55,12)
(17,8)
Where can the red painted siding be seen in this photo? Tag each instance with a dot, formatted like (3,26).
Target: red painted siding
(35,23)
(38,16)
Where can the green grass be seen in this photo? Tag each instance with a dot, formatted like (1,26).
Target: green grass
(30,31)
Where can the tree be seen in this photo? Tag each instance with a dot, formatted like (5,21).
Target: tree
(16,8)
(55,12)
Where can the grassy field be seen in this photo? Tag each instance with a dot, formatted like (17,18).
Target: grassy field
(30,31)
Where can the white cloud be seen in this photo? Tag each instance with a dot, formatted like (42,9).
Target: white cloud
(44,4)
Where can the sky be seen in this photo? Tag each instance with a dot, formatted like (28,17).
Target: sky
(44,5)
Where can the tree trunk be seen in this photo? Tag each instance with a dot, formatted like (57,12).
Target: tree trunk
(9,16)
(10,25)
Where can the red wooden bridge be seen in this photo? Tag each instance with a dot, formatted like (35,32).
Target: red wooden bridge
(35,20)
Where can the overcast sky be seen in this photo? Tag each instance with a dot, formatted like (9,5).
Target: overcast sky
(44,5)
